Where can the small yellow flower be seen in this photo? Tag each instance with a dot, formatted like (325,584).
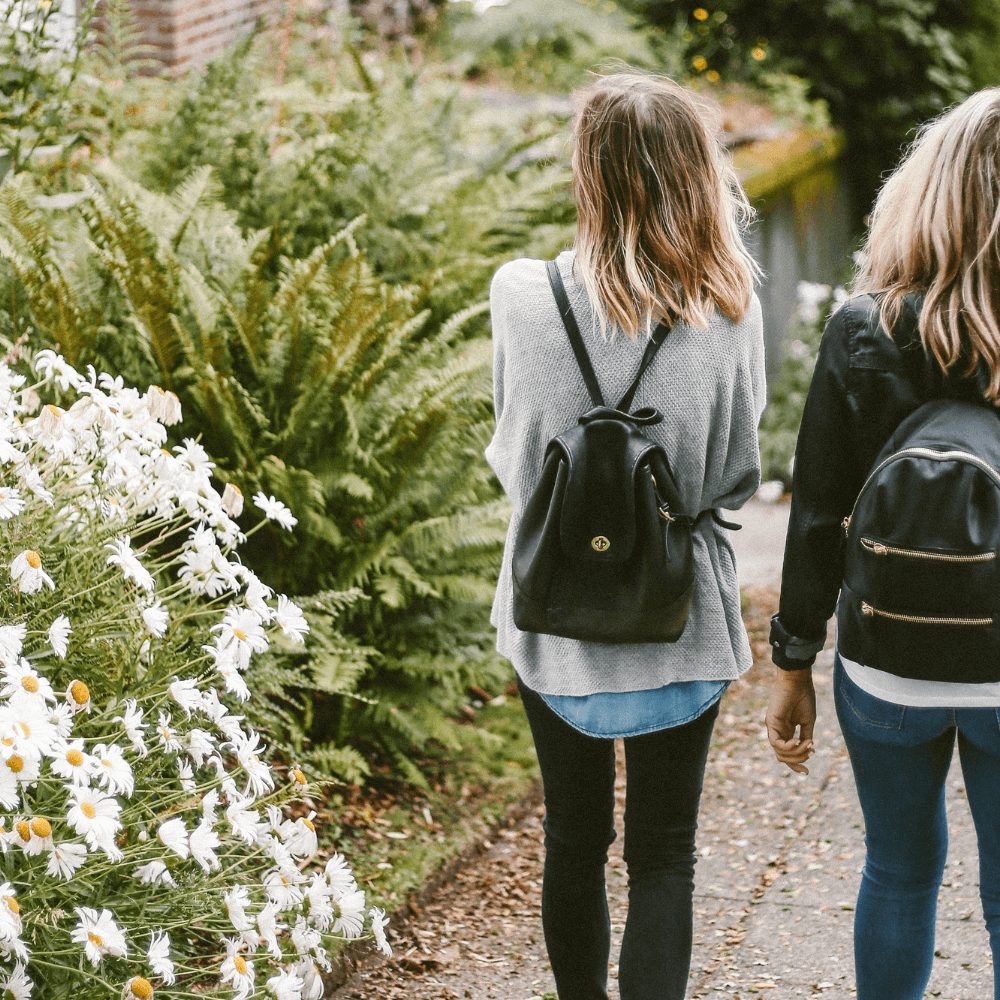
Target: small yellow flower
(713,75)
(759,53)
(700,14)
(699,63)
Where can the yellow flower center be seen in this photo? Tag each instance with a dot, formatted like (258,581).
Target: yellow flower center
(74,757)
(54,410)
(88,810)
(233,486)
(23,830)
(25,729)
(700,14)
(30,684)
(107,763)
(95,939)
(7,741)
(240,963)
(240,634)
(34,559)
(79,692)
(13,905)
(41,827)
(15,763)
(297,776)
(142,989)
(308,824)
(284,880)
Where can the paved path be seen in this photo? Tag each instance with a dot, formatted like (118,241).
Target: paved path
(776,880)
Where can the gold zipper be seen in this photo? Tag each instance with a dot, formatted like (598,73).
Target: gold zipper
(867,609)
(881,549)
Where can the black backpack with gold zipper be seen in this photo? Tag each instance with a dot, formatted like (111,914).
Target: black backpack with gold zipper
(921,590)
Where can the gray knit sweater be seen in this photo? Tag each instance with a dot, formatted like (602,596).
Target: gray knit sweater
(709,384)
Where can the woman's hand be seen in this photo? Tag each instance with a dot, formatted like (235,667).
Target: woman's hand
(792,705)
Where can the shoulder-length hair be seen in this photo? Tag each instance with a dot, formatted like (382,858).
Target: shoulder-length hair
(660,211)
(935,230)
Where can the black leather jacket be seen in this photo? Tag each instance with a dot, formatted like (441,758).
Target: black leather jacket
(865,383)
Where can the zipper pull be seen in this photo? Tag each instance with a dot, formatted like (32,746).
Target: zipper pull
(867,609)
(846,523)
(879,549)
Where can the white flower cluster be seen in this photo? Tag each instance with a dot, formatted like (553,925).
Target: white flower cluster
(143,826)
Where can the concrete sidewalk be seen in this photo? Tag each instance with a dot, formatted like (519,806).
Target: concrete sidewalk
(780,857)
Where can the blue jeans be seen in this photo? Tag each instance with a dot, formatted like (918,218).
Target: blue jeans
(900,756)
(664,772)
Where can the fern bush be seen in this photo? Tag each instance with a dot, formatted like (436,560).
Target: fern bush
(310,380)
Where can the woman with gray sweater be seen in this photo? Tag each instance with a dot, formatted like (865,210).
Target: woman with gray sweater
(659,237)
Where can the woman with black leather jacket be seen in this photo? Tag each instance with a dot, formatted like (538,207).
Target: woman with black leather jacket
(924,324)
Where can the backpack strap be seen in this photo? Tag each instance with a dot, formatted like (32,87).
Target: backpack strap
(580,351)
(658,336)
(573,331)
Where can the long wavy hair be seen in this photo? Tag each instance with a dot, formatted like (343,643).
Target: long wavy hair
(935,230)
(661,213)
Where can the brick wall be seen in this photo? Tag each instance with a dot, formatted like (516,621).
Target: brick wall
(185,33)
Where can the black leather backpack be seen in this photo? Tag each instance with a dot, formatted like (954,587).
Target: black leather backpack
(921,591)
(603,551)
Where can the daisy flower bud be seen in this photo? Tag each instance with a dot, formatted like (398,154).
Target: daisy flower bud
(78,696)
(232,500)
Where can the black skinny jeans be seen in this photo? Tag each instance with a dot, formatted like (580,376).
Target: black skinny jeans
(664,774)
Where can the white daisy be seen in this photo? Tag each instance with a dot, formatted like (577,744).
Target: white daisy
(174,836)
(99,934)
(59,632)
(204,840)
(27,573)
(153,872)
(237,900)
(159,957)
(240,636)
(11,640)
(113,771)
(65,860)
(286,985)
(187,694)
(20,678)
(318,895)
(168,736)
(10,920)
(134,726)
(300,836)
(155,618)
(349,914)
(16,984)
(95,817)
(379,921)
(123,556)
(275,510)
(237,972)
(78,696)
(281,888)
(339,875)
(72,763)
(11,503)
(290,620)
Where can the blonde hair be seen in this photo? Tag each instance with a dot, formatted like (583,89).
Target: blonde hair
(935,228)
(660,210)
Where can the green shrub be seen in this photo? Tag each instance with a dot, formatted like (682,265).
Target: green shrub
(310,380)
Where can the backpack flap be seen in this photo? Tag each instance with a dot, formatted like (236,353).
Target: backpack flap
(598,517)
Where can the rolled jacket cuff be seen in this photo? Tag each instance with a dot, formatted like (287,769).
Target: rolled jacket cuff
(791,652)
